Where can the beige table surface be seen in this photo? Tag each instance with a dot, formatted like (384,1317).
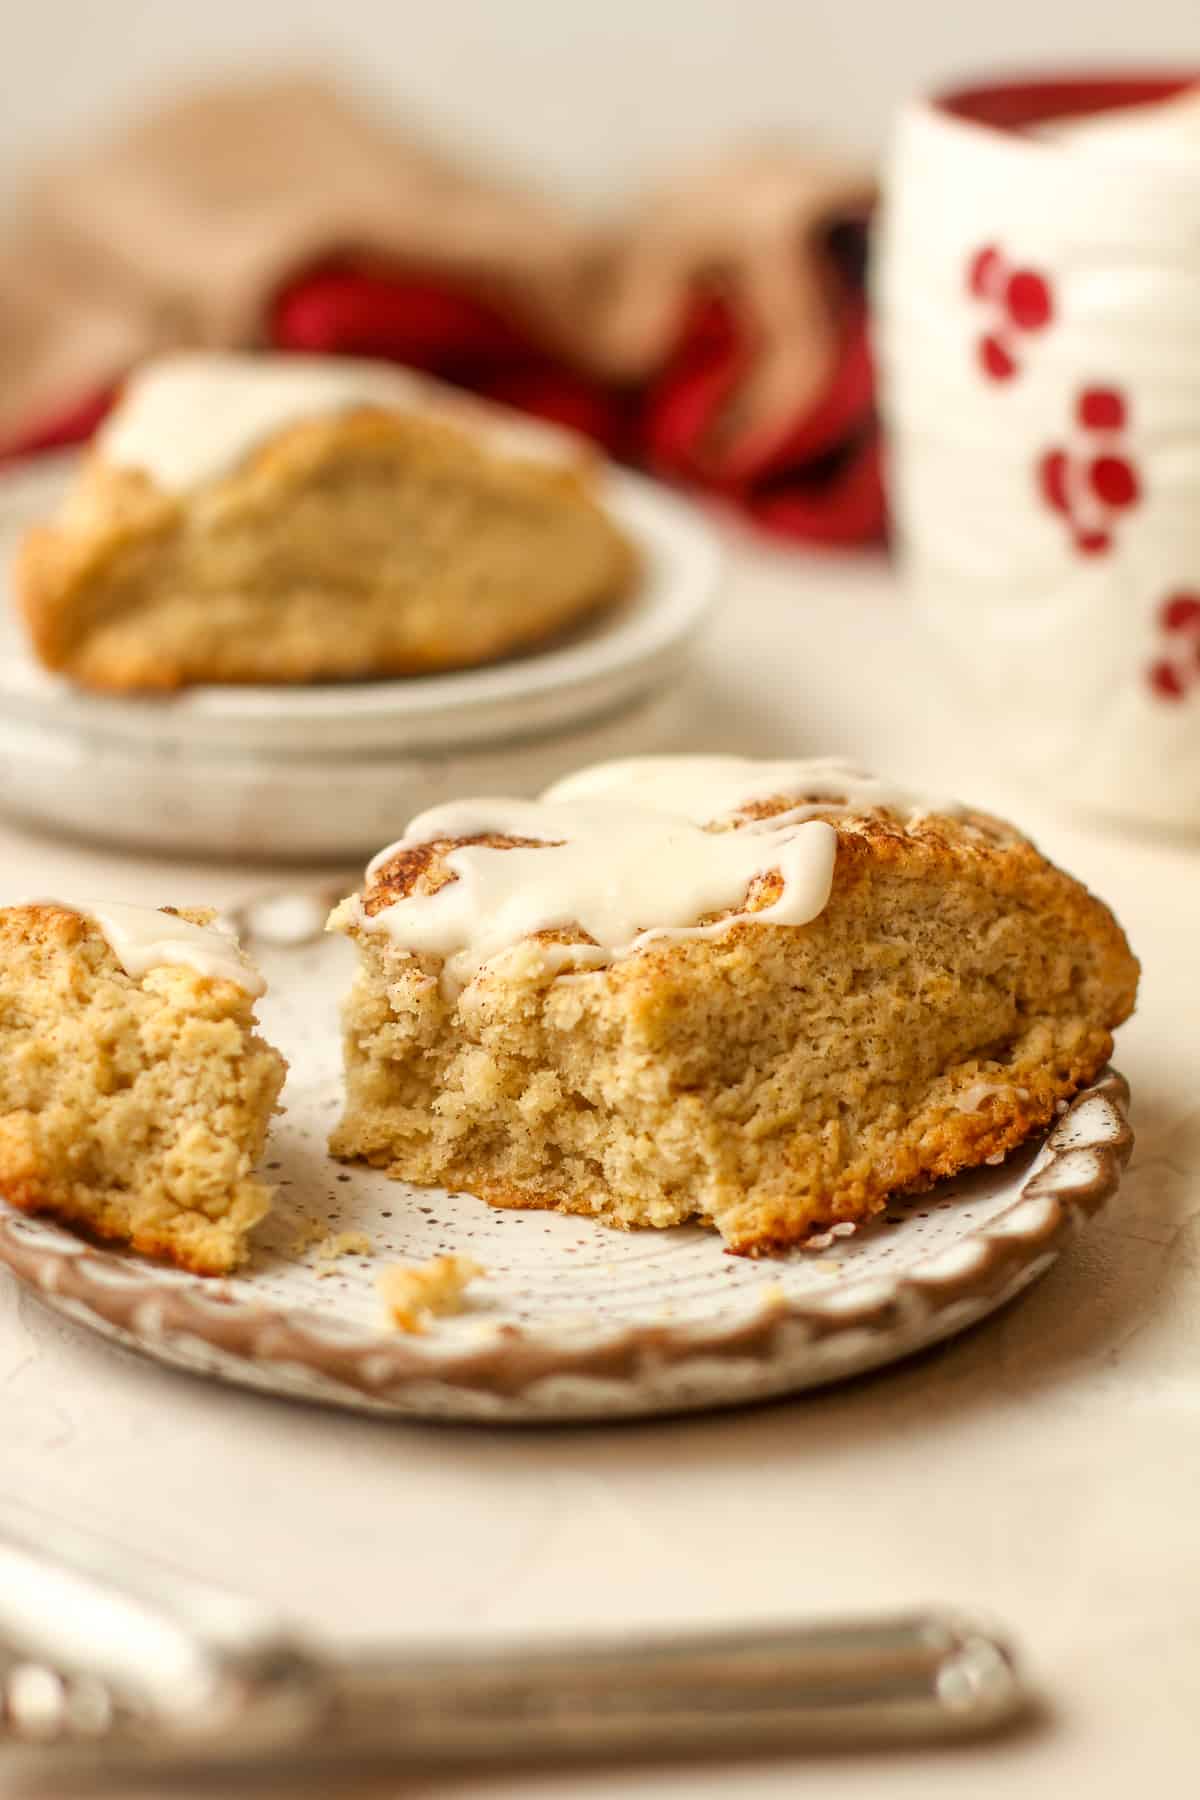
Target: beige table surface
(1045,1468)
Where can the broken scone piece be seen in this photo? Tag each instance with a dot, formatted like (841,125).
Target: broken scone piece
(135,1093)
(765,996)
(413,1293)
(259,518)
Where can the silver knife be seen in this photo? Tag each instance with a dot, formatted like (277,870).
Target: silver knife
(110,1655)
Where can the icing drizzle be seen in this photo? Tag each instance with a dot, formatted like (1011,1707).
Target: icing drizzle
(193,416)
(707,788)
(619,853)
(143,938)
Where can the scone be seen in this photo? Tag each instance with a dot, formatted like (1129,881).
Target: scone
(134,1092)
(764,996)
(292,518)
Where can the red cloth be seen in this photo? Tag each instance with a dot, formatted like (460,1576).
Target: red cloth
(817,478)
(62,430)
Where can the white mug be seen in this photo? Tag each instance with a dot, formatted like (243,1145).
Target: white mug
(1037,299)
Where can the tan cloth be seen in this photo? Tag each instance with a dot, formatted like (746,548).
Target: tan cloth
(179,229)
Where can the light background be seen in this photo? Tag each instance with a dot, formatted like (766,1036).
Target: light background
(583,96)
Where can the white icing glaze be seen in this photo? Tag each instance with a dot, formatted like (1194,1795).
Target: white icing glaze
(621,855)
(143,938)
(625,876)
(192,416)
(706,788)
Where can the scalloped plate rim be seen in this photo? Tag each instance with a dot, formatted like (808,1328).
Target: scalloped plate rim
(522,1376)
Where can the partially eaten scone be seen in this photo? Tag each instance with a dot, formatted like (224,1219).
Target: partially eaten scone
(135,1093)
(295,518)
(765,996)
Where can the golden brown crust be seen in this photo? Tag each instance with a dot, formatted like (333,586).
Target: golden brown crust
(955,991)
(132,1110)
(368,543)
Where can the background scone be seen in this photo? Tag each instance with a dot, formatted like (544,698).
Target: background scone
(765,996)
(290,518)
(134,1093)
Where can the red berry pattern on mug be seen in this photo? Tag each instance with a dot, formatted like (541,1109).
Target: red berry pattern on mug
(1020,300)
(1177,672)
(1092,480)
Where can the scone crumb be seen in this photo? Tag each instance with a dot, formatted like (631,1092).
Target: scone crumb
(339,1243)
(309,1231)
(413,1293)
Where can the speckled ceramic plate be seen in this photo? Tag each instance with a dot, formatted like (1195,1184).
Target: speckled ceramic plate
(572,1320)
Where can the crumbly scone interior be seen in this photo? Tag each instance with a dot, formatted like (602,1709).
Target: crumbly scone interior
(770,1080)
(136,1108)
(371,543)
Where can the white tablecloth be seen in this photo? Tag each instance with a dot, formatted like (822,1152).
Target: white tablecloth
(1045,1468)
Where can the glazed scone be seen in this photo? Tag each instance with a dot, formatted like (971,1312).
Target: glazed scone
(765,996)
(135,1094)
(292,518)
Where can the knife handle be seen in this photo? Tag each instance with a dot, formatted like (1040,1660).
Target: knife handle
(923,1676)
(103,1650)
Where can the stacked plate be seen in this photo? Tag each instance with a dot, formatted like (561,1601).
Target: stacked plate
(331,771)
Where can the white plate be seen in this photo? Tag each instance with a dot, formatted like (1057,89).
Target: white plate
(573,1321)
(290,809)
(617,660)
